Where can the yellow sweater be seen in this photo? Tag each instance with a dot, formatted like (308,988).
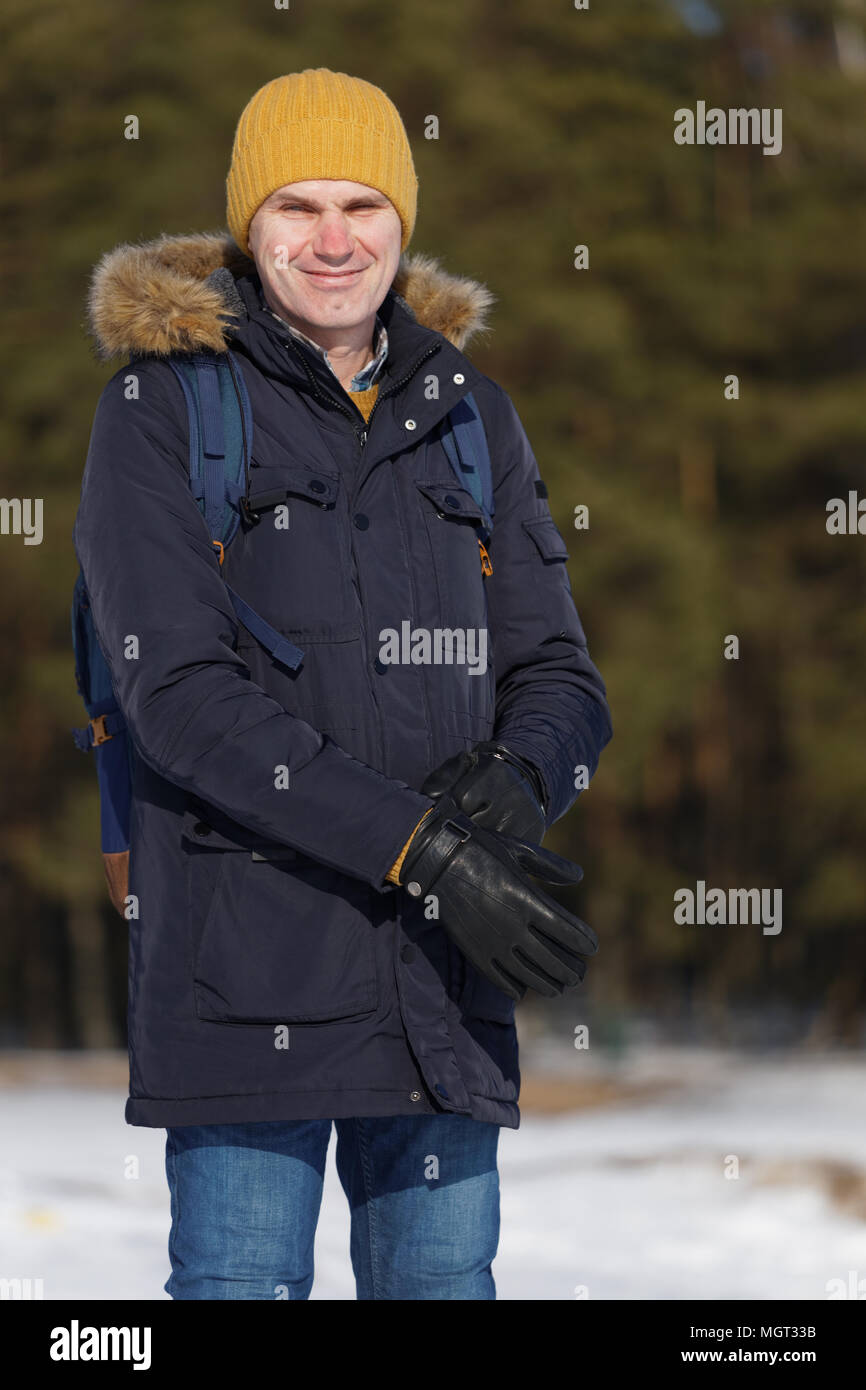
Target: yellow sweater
(365,400)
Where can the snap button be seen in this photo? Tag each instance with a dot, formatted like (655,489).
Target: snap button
(411,425)
(459,379)
(451,501)
(414,889)
(317,485)
(201,828)
(408,954)
(361,521)
(414,1095)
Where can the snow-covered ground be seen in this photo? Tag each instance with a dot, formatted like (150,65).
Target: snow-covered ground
(631,1199)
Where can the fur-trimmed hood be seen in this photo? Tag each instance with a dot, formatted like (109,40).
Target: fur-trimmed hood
(176,294)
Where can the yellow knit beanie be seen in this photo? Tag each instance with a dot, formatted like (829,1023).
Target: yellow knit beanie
(319,124)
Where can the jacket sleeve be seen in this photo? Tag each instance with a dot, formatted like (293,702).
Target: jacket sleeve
(551,704)
(166,626)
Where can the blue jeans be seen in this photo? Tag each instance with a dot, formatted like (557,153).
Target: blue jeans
(245,1198)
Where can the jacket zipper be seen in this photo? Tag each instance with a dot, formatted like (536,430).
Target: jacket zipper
(399,385)
(361,434)
(363,438)
(328,399)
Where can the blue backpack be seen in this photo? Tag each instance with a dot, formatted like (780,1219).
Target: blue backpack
(220,444)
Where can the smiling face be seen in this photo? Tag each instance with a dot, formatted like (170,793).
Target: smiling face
(326,251)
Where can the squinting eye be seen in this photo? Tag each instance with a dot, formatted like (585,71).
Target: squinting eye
(360,207)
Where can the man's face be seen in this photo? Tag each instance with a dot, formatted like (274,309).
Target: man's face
(326,251)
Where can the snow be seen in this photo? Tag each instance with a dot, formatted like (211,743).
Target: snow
(625,1200)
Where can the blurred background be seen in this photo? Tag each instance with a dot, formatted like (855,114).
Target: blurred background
(707,517)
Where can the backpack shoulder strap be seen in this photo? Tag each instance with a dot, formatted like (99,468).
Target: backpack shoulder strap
(220,448)
(465,442)
(220,437)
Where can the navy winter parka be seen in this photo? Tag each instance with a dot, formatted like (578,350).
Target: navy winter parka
(273,974)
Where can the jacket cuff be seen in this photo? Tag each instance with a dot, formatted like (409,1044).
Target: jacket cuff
(556,761)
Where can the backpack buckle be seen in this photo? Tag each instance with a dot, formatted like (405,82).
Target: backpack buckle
(100,734)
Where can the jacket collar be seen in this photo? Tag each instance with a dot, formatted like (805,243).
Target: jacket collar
(186,294)
(275,350)
(370,373)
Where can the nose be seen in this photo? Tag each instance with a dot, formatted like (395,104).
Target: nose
(332,237)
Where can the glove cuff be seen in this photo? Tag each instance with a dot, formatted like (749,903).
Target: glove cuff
(528,770)
(433,844)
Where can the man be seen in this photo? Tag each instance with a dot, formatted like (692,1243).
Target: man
(332,917)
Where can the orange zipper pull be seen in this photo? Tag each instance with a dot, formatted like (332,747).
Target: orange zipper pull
(486,563)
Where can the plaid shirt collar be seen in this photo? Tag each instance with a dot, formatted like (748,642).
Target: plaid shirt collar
(363,380)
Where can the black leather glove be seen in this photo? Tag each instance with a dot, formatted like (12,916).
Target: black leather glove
(494,787)
(510,930)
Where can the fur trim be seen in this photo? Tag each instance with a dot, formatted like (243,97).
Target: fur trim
(154,297)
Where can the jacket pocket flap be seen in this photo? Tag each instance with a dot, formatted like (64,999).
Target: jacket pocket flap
(544,532)
(292,482)
(451,500)
(209,829)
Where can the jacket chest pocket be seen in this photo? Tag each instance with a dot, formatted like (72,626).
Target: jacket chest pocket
(452,518)
(275,937)
(296,564)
